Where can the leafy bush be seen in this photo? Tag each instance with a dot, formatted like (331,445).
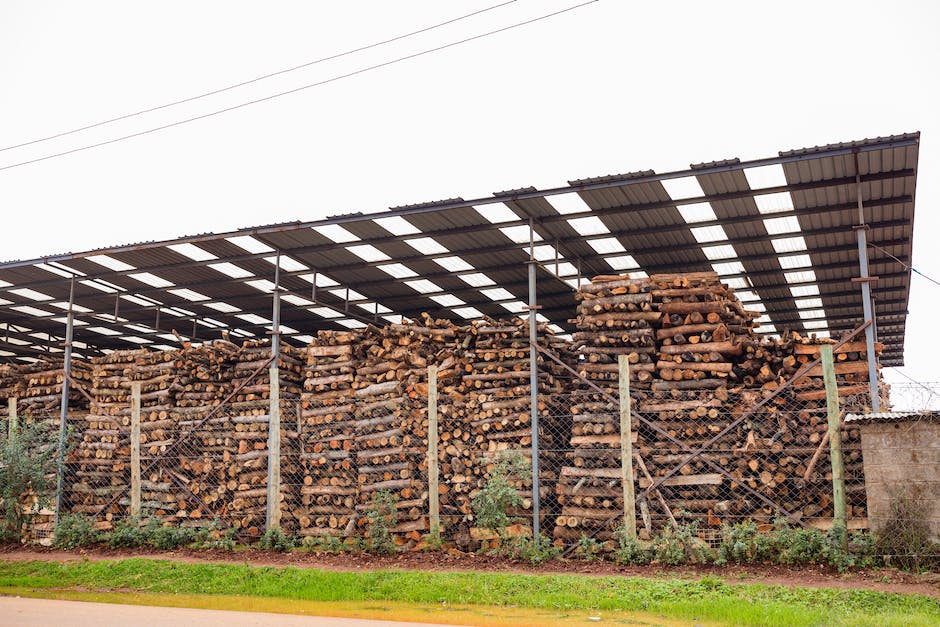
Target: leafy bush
(26,458)
(744,543)
(587,548)
(275,540)
(74,531)
(905,540)
(128,534)
(382,516)
(795,547)
(680,545)
(629,550)
(169,538)
(328,544)
(492,503)
(215,537)
(534,550)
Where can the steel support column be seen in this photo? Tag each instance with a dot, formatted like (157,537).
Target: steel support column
(273,518)
(533,382)
(861,233)
(64,406)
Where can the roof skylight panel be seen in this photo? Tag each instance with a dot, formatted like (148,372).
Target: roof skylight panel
(321,280)
(706,234)
(815,324)
(306,339)
(589,225)
(101,286)
(795,261)
(723,251)
(398,270)
(64,306)
(683,187)
(520,234)
(59,270)
(188,294)
(755,307)
(31,294)
(293,299)
(568,203)
(736,283)
(110,263)
(565,268)
(453,264)
(774,203)
(468,313)
(262,285)
(136,340)
(622,262)
(347,294)
(374,308)
(230,270)
(476,279)
(222,307)
(800,276)
(394,318)
(250,244)
(497,213)
(336,233)
(606,245)
(397,225)
(288,264)
(103,331)
(253,318)
(789,244)
(349,323)
(812,313)
(447,300)
(31,311)
(423,286)
(765,176)
(426,245)
(497,293)
(150,279)
(639,274)
(799,291)
(192,251)
(516,306)
(368,252)
(697,212)
(766,328)
(75,321)
(730,267)
(809,302)
(325,312)
(746,295)
(824,333)
(778,226)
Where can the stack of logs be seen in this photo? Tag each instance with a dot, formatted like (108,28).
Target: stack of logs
(696,366)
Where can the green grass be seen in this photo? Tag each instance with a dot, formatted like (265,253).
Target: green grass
(707,599)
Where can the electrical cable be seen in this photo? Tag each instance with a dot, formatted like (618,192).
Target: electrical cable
(257,78)
(905,265)
(302,87)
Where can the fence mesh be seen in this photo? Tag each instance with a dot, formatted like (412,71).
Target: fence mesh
(698,455)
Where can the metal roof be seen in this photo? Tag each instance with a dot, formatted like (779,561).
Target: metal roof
(778,230)
(895,416)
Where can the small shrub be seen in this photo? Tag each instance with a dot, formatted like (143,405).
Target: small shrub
(434,541)
(382,516)
(328,544)
(795,547)
(587,548)
(27,458)
(74,531)
(904,540)
(127,534)
(492,503)
(275,540)
(680,545)
(533,550)
(744,543)
(215,537)
(169,538)
(629,550)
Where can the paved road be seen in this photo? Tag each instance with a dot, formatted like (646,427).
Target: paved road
(23,612)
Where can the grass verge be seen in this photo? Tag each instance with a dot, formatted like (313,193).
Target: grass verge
(708,599)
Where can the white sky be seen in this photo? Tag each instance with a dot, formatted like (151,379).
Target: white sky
(611,87)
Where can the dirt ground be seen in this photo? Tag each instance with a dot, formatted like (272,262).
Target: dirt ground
(884,580)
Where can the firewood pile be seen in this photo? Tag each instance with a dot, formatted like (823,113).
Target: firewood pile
(695,366)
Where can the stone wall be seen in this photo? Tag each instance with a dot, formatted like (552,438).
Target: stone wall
(902,459)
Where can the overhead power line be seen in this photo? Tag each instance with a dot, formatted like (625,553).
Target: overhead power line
(303,87)
(906,266)
(256,79)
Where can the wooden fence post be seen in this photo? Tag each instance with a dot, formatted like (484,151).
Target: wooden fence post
(433,473)
(835,440)
(626,449)
(135,449)
(12,422)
